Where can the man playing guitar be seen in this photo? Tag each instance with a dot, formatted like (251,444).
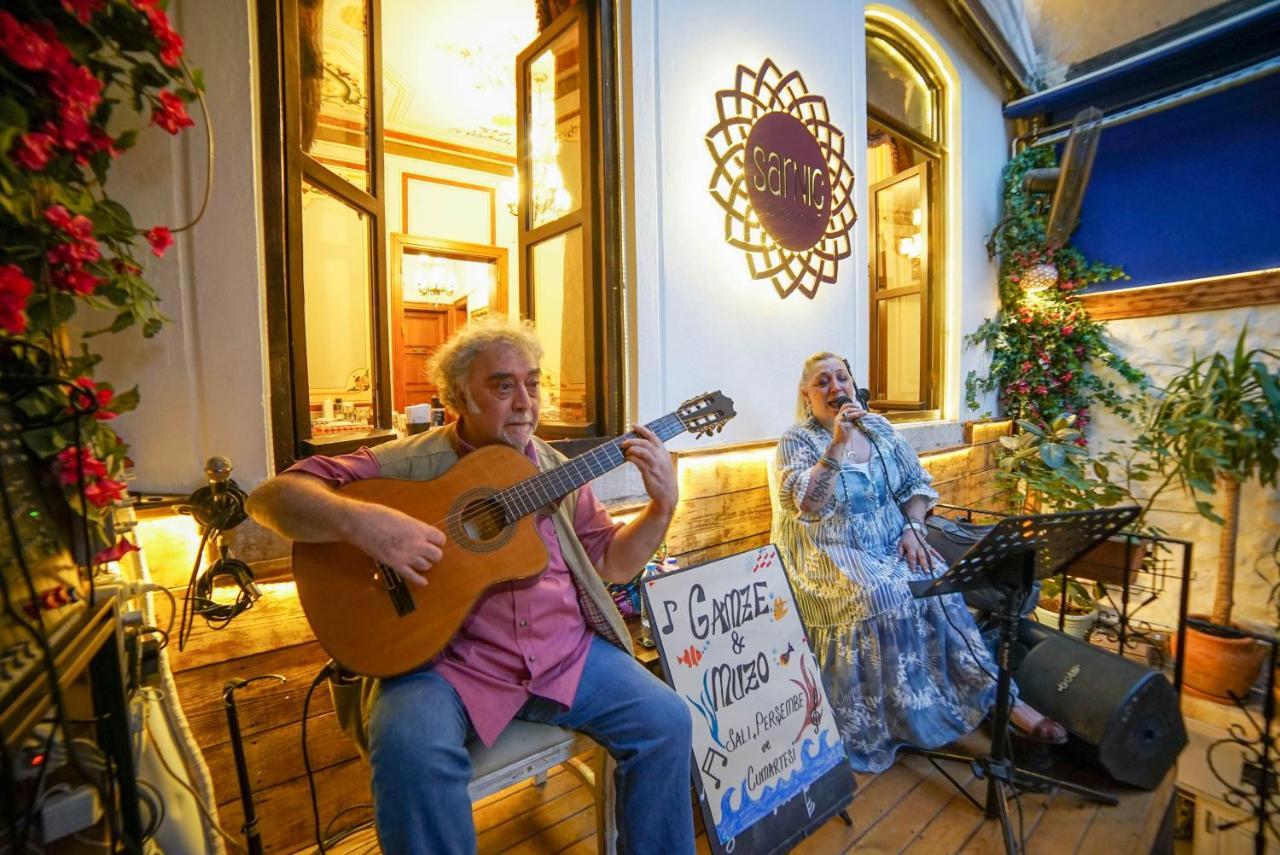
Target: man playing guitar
(549,649)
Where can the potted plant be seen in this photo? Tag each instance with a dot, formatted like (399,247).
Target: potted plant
(1215,427)
(1049,469)
(73,77)
(1076,612)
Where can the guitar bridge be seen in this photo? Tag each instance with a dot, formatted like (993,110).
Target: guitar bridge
(401,599)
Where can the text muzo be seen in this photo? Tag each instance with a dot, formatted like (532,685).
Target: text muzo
(723,615)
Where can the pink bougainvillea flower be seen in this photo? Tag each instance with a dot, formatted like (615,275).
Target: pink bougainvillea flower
(1068,330)
(15,288)
(57,216)
(77,281)
(170,113)
(33,150)
(121,548)
(87,395)
(69,472)
(83,9)
(160,239)
(170,46)
(22,44)
(103,492)
(76,88)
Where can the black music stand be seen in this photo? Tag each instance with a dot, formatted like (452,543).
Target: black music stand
(1013,555)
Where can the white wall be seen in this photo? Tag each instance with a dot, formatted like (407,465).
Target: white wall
(1160,346)
(699,321)
(203,379)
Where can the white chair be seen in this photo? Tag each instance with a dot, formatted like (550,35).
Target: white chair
(528,750)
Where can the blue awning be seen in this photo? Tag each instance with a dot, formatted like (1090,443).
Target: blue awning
(1226,46)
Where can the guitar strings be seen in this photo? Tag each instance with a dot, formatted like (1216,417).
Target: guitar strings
(495,512)
(520,490)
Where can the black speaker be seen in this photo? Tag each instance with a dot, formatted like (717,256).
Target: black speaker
(1122,717)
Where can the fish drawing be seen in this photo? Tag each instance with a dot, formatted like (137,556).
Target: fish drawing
(812,700)
(690,657)
(779,608)
(786,657)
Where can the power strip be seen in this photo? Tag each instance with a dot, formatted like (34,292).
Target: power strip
(69,812)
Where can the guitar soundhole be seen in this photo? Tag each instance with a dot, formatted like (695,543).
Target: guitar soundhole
(481,525)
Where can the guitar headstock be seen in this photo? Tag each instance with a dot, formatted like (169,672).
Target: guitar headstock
(706,414)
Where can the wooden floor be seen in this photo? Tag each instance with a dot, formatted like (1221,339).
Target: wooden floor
(909,808)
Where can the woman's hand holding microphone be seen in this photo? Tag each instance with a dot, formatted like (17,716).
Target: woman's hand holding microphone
(848,414)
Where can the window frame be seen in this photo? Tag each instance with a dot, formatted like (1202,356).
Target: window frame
(598,214)
(286,167)
(934,289)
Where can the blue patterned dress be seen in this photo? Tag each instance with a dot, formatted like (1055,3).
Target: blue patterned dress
(896,670)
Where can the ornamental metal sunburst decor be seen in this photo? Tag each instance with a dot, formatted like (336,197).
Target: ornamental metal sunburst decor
(782,180)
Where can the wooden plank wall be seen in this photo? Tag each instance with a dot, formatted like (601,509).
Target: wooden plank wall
(724,509)
(724,498)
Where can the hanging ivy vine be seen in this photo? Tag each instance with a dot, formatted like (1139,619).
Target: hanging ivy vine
(1047,354)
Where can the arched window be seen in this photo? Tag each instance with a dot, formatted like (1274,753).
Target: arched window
(906,154)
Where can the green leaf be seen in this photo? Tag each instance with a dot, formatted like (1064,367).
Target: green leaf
(114,219)
(1053,455)
(197,78)
(146,75)
(1030,428)
(124,402)
(45,442)
(1200,485)
(1100,469)
(12,115)
(1009,442)
(1206,511)
(151,327)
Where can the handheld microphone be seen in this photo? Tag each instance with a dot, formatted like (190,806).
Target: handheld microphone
(842,400)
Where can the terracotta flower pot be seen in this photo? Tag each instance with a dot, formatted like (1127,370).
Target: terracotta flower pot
(1217,667)
(1111,561)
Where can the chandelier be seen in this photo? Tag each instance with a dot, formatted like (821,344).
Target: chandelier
(549,199)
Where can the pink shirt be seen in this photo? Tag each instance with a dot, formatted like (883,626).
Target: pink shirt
(522,638)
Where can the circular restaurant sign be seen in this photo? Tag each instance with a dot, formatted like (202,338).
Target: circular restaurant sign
(787,181)
(782,180)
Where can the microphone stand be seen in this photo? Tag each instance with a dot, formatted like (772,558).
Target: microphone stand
(253,838)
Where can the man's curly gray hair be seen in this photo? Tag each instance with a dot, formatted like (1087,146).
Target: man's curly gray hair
(450,366)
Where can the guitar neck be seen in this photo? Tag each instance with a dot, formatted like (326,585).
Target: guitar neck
(542,489)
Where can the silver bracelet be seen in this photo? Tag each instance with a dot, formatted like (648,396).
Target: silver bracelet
(916,526)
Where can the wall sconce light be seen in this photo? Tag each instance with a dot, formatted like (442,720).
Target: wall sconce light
(1038,277)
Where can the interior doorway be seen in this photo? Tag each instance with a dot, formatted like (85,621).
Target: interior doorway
(449,82)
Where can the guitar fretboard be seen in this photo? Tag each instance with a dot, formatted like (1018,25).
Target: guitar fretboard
(544,488)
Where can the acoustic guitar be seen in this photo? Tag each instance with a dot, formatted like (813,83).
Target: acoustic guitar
(373,623)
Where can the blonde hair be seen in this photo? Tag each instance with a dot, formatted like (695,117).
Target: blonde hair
(450,366)
(802,408)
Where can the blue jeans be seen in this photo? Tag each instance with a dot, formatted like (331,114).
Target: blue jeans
(419,727)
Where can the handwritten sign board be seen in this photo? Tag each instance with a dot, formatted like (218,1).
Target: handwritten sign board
(770,764)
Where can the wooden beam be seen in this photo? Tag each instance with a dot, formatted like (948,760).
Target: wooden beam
(1258,288)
